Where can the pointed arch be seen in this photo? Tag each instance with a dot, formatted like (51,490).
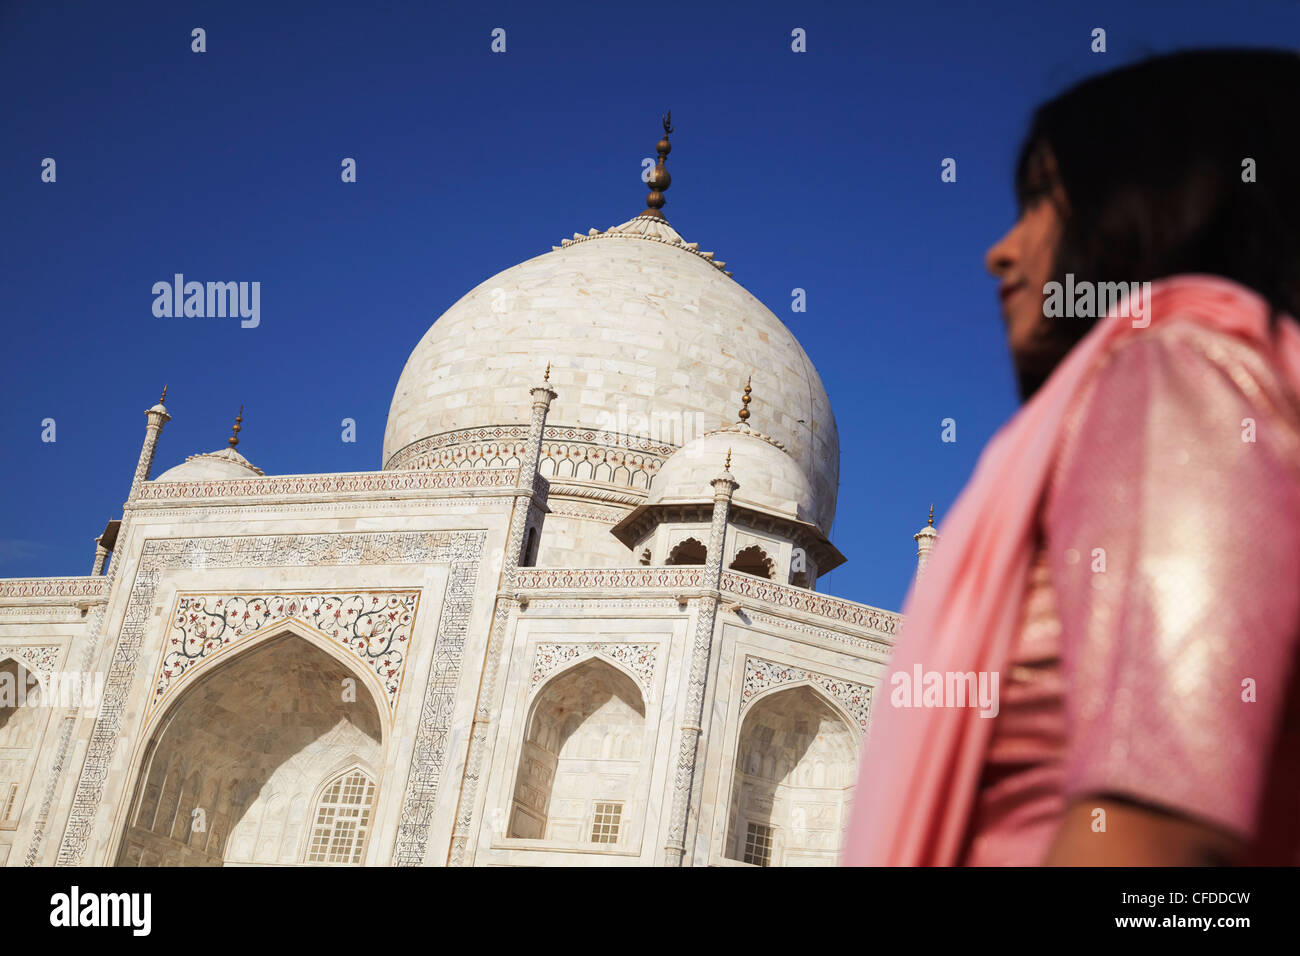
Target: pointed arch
(793,779)
(581,760)
(820,693)
(22,725)
(263,729)
(273,631)
(14,685)
(591,653)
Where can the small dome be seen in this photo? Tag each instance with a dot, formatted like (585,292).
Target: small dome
(768,478)
(213,466)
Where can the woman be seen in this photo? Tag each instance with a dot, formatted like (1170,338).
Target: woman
(1126,558)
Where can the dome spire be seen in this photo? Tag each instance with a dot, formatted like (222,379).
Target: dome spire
(745,400)
(659,180)
(233,440)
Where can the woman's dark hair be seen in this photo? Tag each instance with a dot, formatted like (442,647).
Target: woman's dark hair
(1152,161)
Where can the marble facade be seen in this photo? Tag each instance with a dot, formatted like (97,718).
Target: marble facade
(494,651)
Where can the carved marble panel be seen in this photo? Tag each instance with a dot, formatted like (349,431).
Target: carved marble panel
(373,626)
(762,675)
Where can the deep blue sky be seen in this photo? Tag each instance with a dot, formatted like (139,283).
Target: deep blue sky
(818,170)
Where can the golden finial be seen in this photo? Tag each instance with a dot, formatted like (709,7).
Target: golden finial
(745,400)
(163,400)
(727,466)
(547,377)
(659,180)
(233,440)
(931,516)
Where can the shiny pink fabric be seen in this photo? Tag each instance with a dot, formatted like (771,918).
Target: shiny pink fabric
(1020,798)
(925,795)
(1168,545)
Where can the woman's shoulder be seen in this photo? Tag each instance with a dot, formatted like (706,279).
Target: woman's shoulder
(1182,396)
(1172,527)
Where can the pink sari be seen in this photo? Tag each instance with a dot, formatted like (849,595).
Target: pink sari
(920,770)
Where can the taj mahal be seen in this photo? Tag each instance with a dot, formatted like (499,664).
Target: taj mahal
(573,619)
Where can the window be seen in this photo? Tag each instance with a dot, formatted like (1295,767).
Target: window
(604,826)
(689,551)
(758,844)
(753,560)
(342,819)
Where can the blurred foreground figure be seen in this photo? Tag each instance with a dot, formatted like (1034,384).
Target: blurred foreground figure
(1123,569)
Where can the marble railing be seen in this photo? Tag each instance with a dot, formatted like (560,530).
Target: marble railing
(360,483)
(832,610)
(72,587)
(546,579)
(835,609)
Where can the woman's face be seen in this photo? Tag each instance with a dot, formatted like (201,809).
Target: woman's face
(1023,262)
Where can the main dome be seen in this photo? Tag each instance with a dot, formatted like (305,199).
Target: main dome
(647,337)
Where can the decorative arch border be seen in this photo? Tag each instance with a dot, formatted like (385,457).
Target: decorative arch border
(374,628)
(461,551)
(38,659)
(637,661)
(763,678)
(160,712)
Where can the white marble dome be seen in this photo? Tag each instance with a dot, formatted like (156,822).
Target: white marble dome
(645,334)
(767,478)
(212,466)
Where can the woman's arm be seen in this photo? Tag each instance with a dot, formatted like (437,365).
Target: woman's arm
(1173,531)
(1138,835)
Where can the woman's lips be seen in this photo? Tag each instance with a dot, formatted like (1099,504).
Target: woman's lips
(1007,290)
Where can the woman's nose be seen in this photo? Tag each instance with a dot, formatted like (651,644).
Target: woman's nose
(1001,255)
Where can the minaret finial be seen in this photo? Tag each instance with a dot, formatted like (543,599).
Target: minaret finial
(931,524)
(547,377)
(745,400)
(233,440)
(163,400)
(659,180)
(727,466)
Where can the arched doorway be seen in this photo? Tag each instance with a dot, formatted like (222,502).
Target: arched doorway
(796,764)
(22,719)
(244,765)
(580,766)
